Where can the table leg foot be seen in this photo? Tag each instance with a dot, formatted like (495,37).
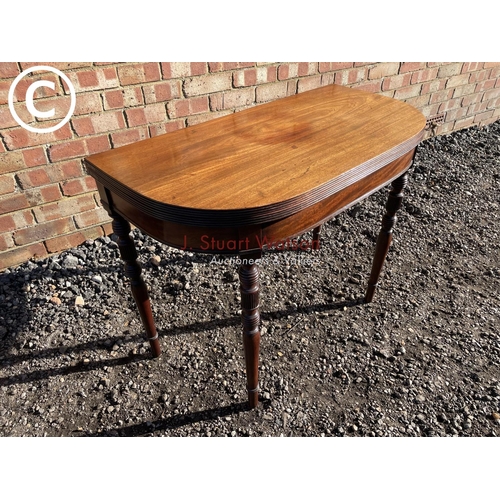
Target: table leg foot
(385,236)
(250,316)
(121,228)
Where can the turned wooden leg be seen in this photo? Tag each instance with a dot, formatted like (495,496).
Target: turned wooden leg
(249,288)
(385,236)
(121,228)
(316,238)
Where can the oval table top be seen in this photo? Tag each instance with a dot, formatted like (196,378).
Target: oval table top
(262,163)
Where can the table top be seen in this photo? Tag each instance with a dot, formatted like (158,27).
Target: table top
(267,161)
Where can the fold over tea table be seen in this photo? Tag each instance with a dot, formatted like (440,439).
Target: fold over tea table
(267,173)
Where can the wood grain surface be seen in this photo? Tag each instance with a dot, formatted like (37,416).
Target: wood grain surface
(263,163)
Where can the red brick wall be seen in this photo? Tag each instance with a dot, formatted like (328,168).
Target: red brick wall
(48,203)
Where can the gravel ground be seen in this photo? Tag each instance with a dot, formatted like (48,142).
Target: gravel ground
(422,360)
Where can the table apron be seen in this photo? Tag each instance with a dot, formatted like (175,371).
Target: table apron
(238,240)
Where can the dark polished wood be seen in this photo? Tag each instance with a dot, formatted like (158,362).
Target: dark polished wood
(250,317)
(121,228)
(251,180)
(384,239)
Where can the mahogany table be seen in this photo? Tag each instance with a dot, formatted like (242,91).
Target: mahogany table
(267,173)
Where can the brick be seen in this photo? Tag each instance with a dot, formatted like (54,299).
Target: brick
(477,108)
(97,144)
(8,121)
(225,66)
(13,202)
(7,223)
(16,220)
(26,81)
(350,76)
(97,124)
(412,66)
(373,86)
(407,92)
(418,101)
(78,186)
(207,84)
(91,218)
(113,99)
(20,138)
(11,161)
(60,105)
(43,194)
(183,69)
(94,79)
(63,66)
(4,91)
(64,207)
(286,71)
(309,83)
(129,136)
(464,123)
(485,85)
(6,242)
(327,78)
(232,99)
(187,107)
(457,80)
(194,120)
(472,66)
(324,67)
(161,92)
(450,104)
(34,157)
(271,91)
(70,149)
(7,184)
(33,177)
(255,76)
(295,70)
(456,114)
(482,117)
(397,81)
(69,169)
(164,128)
(107,228)
(383,69)
(123,98)
(495,73)
(440,96)
(464,90)
(9,70)
(149,114)
(480,76)
(430,110)
(471,99)
(72,240)
(20,255)
(433,86)
(491,94)
(451,69)
(423,75)
(41,232)
(87,103)
(139,73)
(491,64)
